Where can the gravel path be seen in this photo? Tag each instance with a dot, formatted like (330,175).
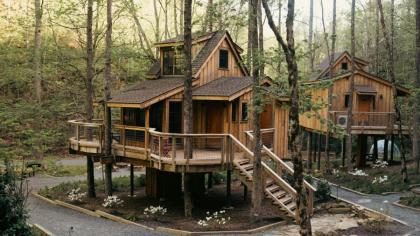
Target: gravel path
(63,221)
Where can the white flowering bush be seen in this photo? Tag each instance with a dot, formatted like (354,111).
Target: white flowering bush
(380,164)
(75,195)
(154,211)
(357,172)
(217,218)
(380,179)
(336,172)
(112,201)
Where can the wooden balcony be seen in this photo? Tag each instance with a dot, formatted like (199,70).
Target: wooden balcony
(380,123)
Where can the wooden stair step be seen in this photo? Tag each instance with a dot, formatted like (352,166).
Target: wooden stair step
(291,206)
(285,200)
(269,182)
(279,194)
(242,161)
(272,188)
(247,166)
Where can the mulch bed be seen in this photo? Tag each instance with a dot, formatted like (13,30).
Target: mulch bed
(211,202)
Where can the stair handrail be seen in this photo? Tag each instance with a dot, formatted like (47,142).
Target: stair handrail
(286,186)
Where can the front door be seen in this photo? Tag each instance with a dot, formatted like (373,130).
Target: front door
(365,106)
(214,122)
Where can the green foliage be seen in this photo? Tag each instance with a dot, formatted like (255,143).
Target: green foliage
(13,215)
(323,191)
(412,201)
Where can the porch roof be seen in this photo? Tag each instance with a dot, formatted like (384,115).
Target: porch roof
(147,91)
(223,88)
(364,89)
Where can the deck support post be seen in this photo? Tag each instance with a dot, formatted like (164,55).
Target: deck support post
(318,162)
(187,195)
(209,180)
(386,148)
(361,148)
(375,148)
(309,149)
(343,152)
(108,179)
(131,180)
(392,147)
(245,192)
(228,187)
(90,177)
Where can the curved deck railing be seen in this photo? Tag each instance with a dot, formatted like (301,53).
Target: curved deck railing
(86,136)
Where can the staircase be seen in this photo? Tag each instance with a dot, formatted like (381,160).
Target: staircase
(276,188)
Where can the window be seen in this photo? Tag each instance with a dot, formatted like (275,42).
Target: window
(244,113)
(346,100)
(344,66)
(235,111)
(224,59)
(173,60)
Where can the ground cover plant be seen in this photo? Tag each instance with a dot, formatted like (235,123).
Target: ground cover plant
(411,201)
(374,180)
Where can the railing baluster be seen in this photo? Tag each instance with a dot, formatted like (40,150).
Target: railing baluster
(160,152)
(124,140)
(173,149)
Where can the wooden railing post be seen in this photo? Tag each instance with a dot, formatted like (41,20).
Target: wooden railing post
(123,140)
(160,151)
(223,150)
(77,136)
(173,149)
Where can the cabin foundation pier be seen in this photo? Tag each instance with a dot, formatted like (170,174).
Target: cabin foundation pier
(162,184)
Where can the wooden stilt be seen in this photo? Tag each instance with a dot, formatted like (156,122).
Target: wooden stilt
(375,148)
(386,149)
(343,152)
(209,180)
(187,195)
(392,148)
(108,179)
(131,180)
(318,162)
(245,192)
(361,150)
(90,177)
(309,148)
(228,188)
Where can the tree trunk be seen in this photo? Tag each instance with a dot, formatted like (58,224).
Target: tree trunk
(157,22)
(260,39)
(377,42)
(167,34)
(37,50)
(349,139)
(280,5)
(416,125)
(310,36)
(257,187)
(175,19)
(107,97)
(187,102)
(249,43)
(208,21)
(90,177)
(394,88)
(309,147)
(294,132)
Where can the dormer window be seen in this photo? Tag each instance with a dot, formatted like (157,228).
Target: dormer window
(344,66)
(172,59)
(224,59)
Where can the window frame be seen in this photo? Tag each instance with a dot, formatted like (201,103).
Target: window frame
(227,59)
(242,111)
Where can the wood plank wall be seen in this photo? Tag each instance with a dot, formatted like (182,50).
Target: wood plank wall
(211,71)
(281,127)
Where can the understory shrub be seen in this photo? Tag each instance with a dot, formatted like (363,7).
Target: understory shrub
(323,191)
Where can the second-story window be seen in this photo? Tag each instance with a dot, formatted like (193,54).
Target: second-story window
(244,108)
(346,100)
(173,60)
(224,59)
(344,66)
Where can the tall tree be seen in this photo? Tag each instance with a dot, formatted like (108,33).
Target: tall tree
(208,21)
(310,35)
(37,50)
(107,97)
(187,102)
(280,6)
(416,125)
(249,42)
(391,71)
(175,19)
(261,66)
(377,42)
(294,131)
(257,187)
(90,73)
(349,138)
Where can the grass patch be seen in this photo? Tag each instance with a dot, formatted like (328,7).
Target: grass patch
(118,183)
(365,184)
(412,201)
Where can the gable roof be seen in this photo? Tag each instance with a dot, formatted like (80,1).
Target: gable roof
(147,90)
(223,87)
(337,57)
(213,40)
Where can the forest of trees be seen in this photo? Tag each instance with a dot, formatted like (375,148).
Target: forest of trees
(43,49)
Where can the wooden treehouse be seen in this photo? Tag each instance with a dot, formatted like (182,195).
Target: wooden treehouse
(373,105)
(148,129)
